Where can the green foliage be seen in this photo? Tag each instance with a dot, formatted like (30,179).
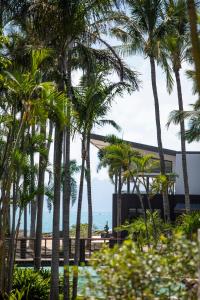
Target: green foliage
(83,230)
(162,183)
(17,295)
(189,223)
(94,97)
(4,61)
(126,273)
(33,285)
(154,224)
(49,189)
(117,157)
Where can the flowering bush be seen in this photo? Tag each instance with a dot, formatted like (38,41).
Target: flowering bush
(155,273)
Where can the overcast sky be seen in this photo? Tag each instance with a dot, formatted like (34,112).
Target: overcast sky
(135,114)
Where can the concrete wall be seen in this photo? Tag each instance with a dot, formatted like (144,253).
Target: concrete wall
(193,164)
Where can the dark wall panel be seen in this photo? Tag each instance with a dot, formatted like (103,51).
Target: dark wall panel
(131,201)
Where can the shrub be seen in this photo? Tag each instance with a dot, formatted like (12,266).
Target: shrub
(158,273)
(32,284)
(137,229)
(189,223)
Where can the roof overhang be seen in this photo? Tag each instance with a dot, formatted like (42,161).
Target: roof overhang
(99,141)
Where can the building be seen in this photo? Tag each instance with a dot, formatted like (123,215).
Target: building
(173,163)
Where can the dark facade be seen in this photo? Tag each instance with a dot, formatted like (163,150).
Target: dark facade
(130,206)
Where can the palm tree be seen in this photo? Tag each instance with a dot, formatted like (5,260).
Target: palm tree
(192,13)
(142,32)
(113,139)
(117,157)
(138,171)
(92,105)
(49,188)
(73,21)
(30,99)
(94,99)
(32,189)
(176,50)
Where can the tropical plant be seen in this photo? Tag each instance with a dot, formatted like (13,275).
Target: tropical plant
(175,49)
(49,189)
(35,285)
(192,10)
(117,157)
(158,273)
(27,99)
(94,98)
(140,168)
(113,140)
(137,229)
(189,223)
(75,23)
(93,103)
(142,32)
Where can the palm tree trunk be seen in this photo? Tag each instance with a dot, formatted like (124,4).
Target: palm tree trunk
(78,221)
(183,147)
(5,196)
(32,188)
(3,248)
(13,254)
(40,202)
(13,234)
(192,13)
(66,213)
(116,183)
(89,190)
(25,228)
(128,186)
(119,212)
(66,64)
(40,198)
(14,249)
(54,291)
(159,136)
(25,222)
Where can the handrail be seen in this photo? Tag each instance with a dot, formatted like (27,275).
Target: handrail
(26,245)
(71,238)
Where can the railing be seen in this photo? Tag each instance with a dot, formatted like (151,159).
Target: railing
(25,248)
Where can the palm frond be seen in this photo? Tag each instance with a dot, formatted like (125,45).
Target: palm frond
(176,116)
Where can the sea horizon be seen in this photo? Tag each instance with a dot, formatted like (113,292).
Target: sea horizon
(100,219)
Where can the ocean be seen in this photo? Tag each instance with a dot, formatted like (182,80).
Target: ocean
(99,219)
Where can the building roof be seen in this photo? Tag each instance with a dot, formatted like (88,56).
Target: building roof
(100,141)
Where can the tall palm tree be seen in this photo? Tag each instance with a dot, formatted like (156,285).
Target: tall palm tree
(73,21)
(193,16)
(175,49)
(94,99)
(91,107)
(32,189)
(29,105)
(142,32)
